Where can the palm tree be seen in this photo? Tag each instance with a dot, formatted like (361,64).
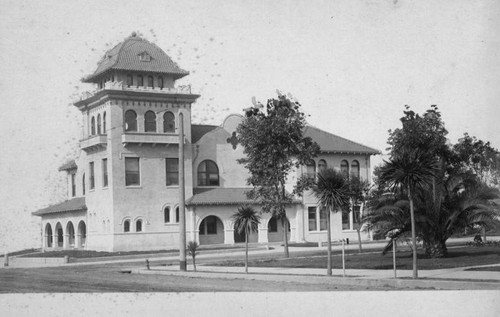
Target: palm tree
(246,220)
(192,247)
(407,172)
(332,190)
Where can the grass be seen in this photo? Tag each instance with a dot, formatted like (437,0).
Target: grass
(457,257)
(487,268)
(89,254)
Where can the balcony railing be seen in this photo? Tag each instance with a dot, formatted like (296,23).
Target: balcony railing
(94,142)
(147,138)
(115,85)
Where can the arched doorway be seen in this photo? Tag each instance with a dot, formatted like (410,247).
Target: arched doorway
(275,230)
(60,235)
(82,234)
(239,238)
(211,231)
(70,231)
(48,236)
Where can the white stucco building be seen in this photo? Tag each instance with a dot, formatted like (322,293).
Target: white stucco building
(123,191)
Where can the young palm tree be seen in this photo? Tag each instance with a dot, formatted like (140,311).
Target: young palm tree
(332,190)
(407,172)
(246,220)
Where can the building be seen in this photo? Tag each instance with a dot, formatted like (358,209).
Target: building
(123,191)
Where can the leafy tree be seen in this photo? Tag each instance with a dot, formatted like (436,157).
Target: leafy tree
(359,190)
(192,247)
(246,220)
(274,145)
(332,191)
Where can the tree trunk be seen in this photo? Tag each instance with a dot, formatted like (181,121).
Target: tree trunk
(285,235)
(359,240)
(329,245)
(194,264)
(246,251)
(413,235)
(483,229)
(436,249)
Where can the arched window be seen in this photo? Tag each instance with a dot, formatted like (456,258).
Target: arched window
(104,122)
(138,226)
(168,122)
(166,215)
(140,80)
(126,226)
(208,174)
(344,167)
(150,121)
(160,82)
(130,80)
(150,81)
(355,169)
(272,226)
(209,225)
(177,215)
(99,124)
(322,165)
(311,169)
(92,126)
(130,120)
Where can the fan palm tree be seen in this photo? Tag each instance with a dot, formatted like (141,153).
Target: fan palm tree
(246,220)
(332,190)
(407,172)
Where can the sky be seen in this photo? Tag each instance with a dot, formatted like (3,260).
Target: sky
(353,65)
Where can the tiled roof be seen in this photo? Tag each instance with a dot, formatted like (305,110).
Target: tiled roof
(199,130)
(125,56)
(75,204)
(70,165)
(219,196)
(332,143)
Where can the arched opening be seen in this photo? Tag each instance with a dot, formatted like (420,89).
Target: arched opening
(82,233)
(211,231)
(60,235)
(355,169)
(48,236)
(240,237)
(104,122)
(138,226)
(92,126)
(275,230)
(322,165)
(150,121)
(168,122)
(311,169)
(70,231)
(126,226)
(344,167)
(130,120)
(208,174)
(99,124)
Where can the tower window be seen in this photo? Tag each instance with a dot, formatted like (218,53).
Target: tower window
(99,124)
(166,215)
(126,226)
(92,126)
(168,122)
(172,171)
(132,171)
(105,172)
(138,225)
(150,121)
(91,171)
(130,120)
(104,122)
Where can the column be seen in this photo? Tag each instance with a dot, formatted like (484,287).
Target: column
(263,238)
(229,236)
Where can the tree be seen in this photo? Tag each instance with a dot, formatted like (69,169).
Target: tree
(274,144)
(192,247)
(332,191)
(407,172)
(358,193)
(246,220)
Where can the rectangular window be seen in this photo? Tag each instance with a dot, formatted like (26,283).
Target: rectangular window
(132,172)
(172,171)
(312,218)
(92,177)
(346,224)
(73,185)
(322,219)
(105,172)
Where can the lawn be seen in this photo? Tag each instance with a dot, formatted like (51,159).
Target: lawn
(457,257)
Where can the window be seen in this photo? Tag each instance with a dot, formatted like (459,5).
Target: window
(322,165)
(208,174)
(317,218)
(132,173)
(160,82)
(272,226)
(138,225)
(311,169)
(91,176)
(130,80)
(130,120)
(346,221)
(312,218)
(150,81)
(73,185)
(99,124)
(83,184)
(168,122)
(344,167)
(208,225)
(177,215)
(356,215)
(166,215)
(150,121)
(355,169)
(126,226)
(105,172)
(140,80)
(104,122)
(92,126)
(172,171)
